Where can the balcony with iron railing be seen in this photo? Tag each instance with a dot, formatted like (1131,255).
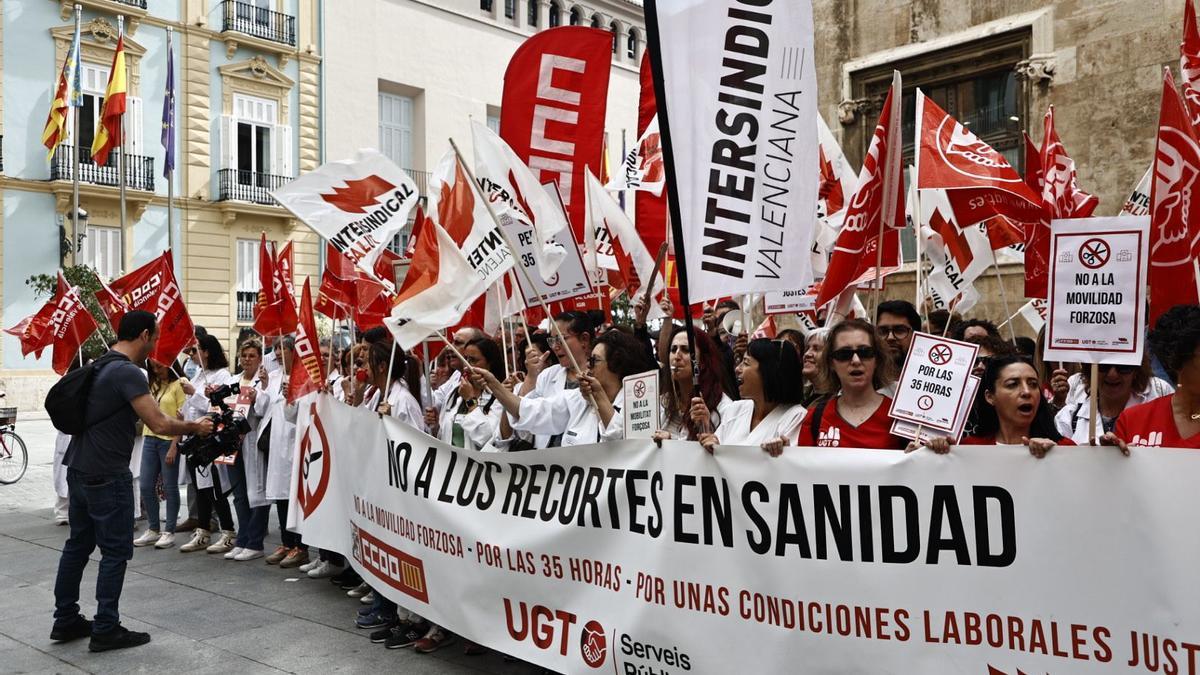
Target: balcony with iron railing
(140,4)
(265,24)
(248,186)
(245,306)
(139,170)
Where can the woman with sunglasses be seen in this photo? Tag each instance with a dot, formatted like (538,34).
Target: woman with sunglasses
(1119,387)
(1174,420)
(685,408)
(770,411)
(853,371)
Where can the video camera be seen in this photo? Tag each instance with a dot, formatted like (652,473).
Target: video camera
(229,427)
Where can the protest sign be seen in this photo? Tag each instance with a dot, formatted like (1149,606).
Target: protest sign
(570,280)
(787,302)
(1097,290)
(923,434)
(640,394)
(932,387)
(624,557)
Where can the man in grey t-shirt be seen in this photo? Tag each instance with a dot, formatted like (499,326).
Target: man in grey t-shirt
(101,486)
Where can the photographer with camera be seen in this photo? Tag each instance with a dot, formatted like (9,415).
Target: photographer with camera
(211,480)
(100,484)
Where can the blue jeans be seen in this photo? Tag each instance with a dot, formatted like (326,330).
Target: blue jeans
(154,462)
(251,521)
(101,514)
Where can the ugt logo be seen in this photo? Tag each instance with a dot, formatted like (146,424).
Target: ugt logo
(359,194)
(314,465)
(545,627)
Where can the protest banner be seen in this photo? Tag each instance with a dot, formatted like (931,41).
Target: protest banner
(737,109)
(923,434)
(641,407)
(932,387)
(1097,290)
(787,302)
(623,557)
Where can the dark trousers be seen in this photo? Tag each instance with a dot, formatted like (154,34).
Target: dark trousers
(101,515)
(252,520)
(287,537)
(210,498)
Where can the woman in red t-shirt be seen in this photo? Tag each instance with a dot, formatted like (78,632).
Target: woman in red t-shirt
(855,415)
(1010,410)
(1171,421)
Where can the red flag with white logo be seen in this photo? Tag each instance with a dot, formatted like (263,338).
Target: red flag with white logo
(308,368)
(70,325)
(552,112)
(1174,228)
(1189,62)
(649,209)
(275,308)
(33,331)
(875,213)
(285,262)
(153,288)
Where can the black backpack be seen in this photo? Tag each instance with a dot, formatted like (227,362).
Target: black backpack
(67,400)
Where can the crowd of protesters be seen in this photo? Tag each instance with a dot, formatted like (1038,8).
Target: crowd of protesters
(561,386)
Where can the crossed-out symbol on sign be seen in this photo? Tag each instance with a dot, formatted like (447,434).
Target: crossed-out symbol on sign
(1094,253)
(925,402)
(639,389)
(940,355)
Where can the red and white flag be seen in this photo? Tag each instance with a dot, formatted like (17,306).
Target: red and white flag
(439,288)
(643,168)
(517,195)
(837,183)
(1174,228)
(285,263)
(635,262)
(34,331)
(275,308)
(70,325)
(649,209)
(359,205)
(153,288)
(454,204)
(1189,62)
(875,214)
(308,368)
(1138,201)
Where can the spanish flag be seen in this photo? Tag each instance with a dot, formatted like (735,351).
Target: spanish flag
(108,129)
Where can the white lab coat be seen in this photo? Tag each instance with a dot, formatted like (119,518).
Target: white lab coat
(1072,419)
(195,407)
(679,429)
(442,393)
(404,405)
(61,441)
(550,382)
(253,459)
(479,427)
(571,415)
(278,418)
(783,421)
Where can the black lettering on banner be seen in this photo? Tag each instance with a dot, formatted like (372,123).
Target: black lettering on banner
(887,528)
(945,507)
(682,508)
(754,490)
(425,473)
(827,516)
(985,557)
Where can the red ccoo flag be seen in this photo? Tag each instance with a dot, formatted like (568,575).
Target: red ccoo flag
(153,288)
(1174,229)
(275,308)
(70,325)
(308,368)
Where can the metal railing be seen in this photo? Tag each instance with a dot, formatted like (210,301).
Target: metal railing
(421,178)
(244,17)
(245,305)
(139,170)
(248,186)
(140,4)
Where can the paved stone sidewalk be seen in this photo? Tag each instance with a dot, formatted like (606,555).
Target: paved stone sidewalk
(205,614)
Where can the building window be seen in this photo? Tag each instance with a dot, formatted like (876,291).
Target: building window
(493,120)
(247,279)
(531,16)
(396,128)
(102,251)
(631,45)
(510,8)
(576,16)
(253,127)
(555,15)
(616,36)
(94,84)
(485,5)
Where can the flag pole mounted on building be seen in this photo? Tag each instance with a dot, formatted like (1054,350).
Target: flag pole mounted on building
(119,62)
(75,100)
(168,138)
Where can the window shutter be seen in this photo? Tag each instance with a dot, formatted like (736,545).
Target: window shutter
(282,142)
(228,142)
(133,126)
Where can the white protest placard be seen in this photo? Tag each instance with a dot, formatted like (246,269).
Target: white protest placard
(1097,290)
(933,385)
(570,280)
(786,302)
(640,394)
(923,434)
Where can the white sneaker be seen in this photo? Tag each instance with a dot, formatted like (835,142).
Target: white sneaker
(148,538)
(234,552)
(224,543)
(247,554)
(165,540)
(324,570)
(309,565)
(368,599)
(198,542)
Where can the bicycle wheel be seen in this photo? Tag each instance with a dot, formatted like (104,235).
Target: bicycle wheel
(13,457)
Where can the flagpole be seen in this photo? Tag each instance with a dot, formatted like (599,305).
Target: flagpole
(75,158)
(503,333)
(333,340)
(1003,295)
(171,169)
(121,145)
(912,177)
(387,386)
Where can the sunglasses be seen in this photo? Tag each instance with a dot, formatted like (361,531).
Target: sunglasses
(846,353)
(1123,370)
(900,332)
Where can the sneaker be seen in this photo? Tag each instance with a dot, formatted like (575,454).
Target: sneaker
(224,543)
(117,638)
(165,540)
(363,611)
(248,554)
(406,635)
(148,538)
(375,620)
(198,542)
(74,629)
(278,555)
(309,565)
(187,525)
(359,591)
(368,599)
(296,557)
(433,641)
(381,636)
(325,570)
(233,552)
